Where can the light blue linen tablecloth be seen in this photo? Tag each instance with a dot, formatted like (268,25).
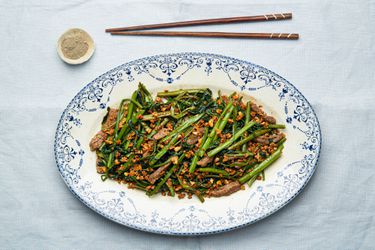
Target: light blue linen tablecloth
(333,64)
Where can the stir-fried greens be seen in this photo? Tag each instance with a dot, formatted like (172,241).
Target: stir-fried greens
(186,142)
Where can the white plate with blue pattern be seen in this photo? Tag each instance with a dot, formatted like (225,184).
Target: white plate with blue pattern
(167,215)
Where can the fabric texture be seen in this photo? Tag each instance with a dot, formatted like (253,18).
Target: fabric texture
(332,65)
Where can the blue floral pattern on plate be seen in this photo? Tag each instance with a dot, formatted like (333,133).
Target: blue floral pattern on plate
(120,205)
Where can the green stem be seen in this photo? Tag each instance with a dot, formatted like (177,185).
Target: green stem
(220,177)
(213,133)
(213,170)
(182,127)
(161,164)
(193,190)
(234,125)
(263,165)
(252,180)
(119,117)
(247,154)
(128,117)
(224,122)
(156,115)
(281,142)
(250,165)
(280,126)
(139,142)
(138,182)
(126,146)
(127,164)
(239,164)
(231,140)
(162,152)
(247,119)
(126,129)
(171,189)
(131,106)
(195,158)
(110,161)
(134,102)
(185,186)
(148,96)
(161,183)
(200,197)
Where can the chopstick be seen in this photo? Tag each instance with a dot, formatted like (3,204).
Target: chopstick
(268,17)
(285,36)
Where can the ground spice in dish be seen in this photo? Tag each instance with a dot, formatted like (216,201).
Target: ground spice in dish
(75,44)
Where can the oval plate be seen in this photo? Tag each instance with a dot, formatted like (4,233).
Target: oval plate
(167,215)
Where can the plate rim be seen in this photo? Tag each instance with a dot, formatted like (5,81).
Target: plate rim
(175,233)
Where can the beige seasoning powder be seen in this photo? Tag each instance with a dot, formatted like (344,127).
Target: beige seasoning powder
(75,44)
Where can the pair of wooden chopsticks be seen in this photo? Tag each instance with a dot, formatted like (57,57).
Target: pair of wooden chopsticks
(134,30)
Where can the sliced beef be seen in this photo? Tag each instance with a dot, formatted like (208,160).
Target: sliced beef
(277,138)
(256,109)
(152,178)
(192,139)
(227,189)
(205,161)
(269,119)
(97,140)
(110,119)
(161,134)
(264,139)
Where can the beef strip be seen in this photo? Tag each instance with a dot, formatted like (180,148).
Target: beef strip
(97,140)
(152,178)
(110,119)
(227,189)
(161,134)
(269,119)
(277,138)
(264,139)
(256,109)
(205,161)
(192,139)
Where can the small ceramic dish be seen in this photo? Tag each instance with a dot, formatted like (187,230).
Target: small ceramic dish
(75,46)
